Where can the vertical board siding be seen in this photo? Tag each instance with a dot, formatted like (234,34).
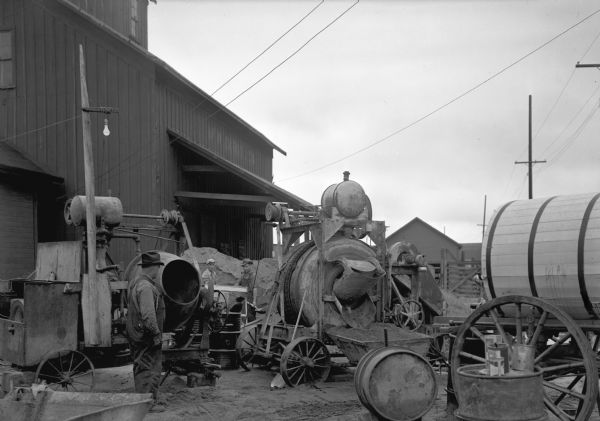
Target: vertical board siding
(42,118)
(117,15)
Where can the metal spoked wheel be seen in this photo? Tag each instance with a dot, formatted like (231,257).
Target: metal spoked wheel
(247,345)
(219,312)
(305,360)
(67,371)
(409,315)
(563,352)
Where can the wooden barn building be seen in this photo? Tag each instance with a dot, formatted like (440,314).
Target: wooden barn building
(170,144)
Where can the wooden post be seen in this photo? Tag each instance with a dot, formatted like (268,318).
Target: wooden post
(95,294)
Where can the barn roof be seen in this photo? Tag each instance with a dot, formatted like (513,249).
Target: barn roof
(13,161)
(278,193)
(419,221)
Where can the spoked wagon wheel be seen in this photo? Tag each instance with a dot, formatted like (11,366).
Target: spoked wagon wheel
(305,360)
(246,345)
(66,371)
(562,350)
(409,314)
(219,312)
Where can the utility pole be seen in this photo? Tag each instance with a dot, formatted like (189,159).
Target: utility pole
(95,288)
(530,161)
(483,224)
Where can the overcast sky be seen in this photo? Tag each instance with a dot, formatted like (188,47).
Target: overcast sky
(406,69)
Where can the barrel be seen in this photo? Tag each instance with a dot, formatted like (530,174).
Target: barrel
(546,248)
(518,396)
(180,284)
(395,384)
(300,275)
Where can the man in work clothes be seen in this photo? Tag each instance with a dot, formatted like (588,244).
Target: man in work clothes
(145,318)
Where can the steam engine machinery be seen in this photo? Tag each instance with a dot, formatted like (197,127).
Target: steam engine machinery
(74,305)
(331,288)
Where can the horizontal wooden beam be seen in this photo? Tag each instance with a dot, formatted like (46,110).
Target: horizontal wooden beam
(203,168)
(224,196)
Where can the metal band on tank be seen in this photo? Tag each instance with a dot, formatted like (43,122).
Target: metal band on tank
(532,234)
(488,250)
(580,257)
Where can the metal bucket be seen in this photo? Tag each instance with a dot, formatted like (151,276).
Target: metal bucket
(395,384)
(512,397)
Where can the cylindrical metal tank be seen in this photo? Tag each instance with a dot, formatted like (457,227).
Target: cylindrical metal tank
(300,280)
(511,397)
(547,248)
(180,283)
(109,209)
(348,197)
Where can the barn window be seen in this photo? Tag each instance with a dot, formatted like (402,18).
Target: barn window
(134,19)
(7,66)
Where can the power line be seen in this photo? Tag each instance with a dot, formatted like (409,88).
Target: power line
(267,49)
(547,149)
(294,53)
(477,86)
(571,139)
(565,85)
(101,176)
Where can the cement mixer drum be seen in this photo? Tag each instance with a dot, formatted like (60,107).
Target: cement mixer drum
(180,283)
(351,271)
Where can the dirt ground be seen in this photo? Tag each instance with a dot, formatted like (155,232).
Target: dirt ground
(241,395)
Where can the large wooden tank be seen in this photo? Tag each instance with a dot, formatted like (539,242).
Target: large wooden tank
(547,248)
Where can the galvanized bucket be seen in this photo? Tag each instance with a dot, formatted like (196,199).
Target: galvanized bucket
(517,396)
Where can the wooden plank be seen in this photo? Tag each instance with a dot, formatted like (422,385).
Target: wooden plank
(223,196)
(59,260)
(203,169)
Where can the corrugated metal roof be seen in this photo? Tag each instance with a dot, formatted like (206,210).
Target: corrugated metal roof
(276,191)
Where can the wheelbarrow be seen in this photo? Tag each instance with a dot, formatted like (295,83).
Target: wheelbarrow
(49,405)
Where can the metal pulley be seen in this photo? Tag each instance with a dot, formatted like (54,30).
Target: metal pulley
(171,217)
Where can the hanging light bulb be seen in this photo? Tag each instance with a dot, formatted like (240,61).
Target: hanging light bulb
(106,132)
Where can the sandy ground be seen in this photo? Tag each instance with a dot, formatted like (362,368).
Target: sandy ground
(241,395)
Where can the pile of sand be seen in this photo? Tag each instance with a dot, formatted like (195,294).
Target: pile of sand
(229,269)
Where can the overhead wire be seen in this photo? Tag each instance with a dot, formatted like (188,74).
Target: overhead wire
(56,123)
(571,121)
(562,91)
(267,49)
(294,53)
(102,175)
(554,105)
(570,140)
(441,107)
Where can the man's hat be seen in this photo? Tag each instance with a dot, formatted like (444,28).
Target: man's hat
(210,261)
(150,258)
(246,262)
